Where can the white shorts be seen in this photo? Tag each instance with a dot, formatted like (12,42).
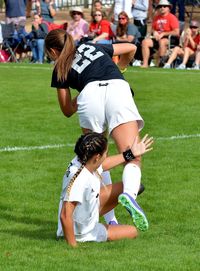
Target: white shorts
(105,105)
(98,234)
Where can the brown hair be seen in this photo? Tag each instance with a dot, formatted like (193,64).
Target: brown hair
(122,29)
(63,43)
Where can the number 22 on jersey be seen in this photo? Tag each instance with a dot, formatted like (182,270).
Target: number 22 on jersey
(85,55)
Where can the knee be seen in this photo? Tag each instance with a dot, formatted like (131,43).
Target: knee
(134,232)
(146,43)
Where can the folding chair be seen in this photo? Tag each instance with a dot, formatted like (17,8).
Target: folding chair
(7,31)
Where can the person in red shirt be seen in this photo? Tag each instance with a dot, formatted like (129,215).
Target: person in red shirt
(191,39)
(100,29)
(164,24)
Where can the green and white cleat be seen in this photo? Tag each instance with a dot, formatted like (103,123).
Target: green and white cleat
(137,214)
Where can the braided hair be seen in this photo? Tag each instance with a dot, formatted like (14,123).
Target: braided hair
(90,144)
(86,147)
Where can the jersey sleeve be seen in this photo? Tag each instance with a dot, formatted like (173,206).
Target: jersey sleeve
(77,187)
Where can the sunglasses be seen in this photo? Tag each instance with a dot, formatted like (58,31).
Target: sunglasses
(76,13)
(193,27)
(97,15)
(163,6)
(122,18)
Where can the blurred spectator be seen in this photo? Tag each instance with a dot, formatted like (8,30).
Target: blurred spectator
(126,31)
(78,27)
(190,42)
(164,25)
(122,5)
(100,29)
(47,9)
(152,9)
(38,34)
(28,8)
(197,58)
(139,12)
(15,11)
(181,11)
(98,6)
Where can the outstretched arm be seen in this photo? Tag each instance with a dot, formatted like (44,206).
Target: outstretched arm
(123,48)
(138,148)
(67,104)
(126,52)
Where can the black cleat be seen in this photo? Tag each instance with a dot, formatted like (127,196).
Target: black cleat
(141,189)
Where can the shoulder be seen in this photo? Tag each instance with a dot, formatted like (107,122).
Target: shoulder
(172,17)
(132,26)
(156,18)
(82,21)
(105,22)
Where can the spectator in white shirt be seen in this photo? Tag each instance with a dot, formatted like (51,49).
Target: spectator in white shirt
(139,13)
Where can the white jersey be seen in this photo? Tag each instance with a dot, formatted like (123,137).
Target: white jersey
(85,190)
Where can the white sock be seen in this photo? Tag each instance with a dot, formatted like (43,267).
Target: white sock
(131,179)
(106,179)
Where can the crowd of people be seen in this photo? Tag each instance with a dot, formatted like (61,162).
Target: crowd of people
(160,34)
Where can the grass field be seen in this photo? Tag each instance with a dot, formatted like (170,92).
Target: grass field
(36,145)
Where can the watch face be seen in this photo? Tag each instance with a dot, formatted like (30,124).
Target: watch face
(128,155)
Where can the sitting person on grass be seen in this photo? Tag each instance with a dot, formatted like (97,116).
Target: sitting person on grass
(164,24)
(191,38)
(84,198)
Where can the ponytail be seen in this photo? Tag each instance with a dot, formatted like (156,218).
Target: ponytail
(63,44)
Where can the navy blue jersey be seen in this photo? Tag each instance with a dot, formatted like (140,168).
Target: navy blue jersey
(92,63)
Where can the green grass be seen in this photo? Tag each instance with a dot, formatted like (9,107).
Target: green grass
(30,180)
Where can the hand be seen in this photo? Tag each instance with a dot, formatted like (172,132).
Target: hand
(188,32)
(139,148)
(156,35)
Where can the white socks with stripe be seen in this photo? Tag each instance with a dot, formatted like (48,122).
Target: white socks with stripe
(131,179)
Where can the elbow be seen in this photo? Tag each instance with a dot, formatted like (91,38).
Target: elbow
(105,35)
(177,32)
(67,114)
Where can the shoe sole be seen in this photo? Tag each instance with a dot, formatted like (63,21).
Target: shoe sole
(138,217)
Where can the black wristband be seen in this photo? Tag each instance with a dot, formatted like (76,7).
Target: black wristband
(128,155)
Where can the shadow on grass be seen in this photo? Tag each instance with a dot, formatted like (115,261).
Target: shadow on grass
(47,228)
(39,234)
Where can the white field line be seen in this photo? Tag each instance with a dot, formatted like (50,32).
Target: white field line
(57,146)
(31,67)
(156,71)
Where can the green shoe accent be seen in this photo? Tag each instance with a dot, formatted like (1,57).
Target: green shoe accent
(122,70)
(138,217)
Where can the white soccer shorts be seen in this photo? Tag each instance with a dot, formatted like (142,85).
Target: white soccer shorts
(107,104)
(98,234)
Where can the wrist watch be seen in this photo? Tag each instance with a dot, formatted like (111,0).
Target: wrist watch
(128,155)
